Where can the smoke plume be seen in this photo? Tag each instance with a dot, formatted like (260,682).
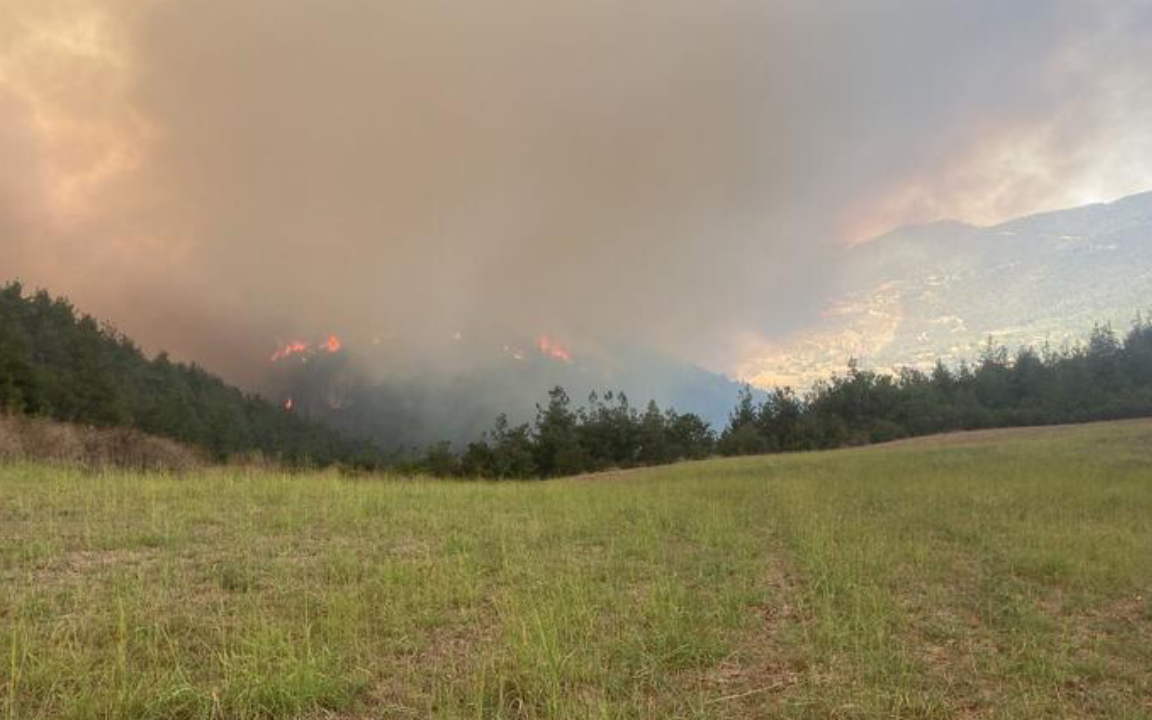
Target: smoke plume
(219,179)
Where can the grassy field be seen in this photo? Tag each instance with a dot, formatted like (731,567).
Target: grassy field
(999,575)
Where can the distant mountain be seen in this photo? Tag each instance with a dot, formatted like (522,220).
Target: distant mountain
(941,290)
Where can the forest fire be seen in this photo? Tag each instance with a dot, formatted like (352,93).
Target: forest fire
(331,346)
(551,348)
(292,348)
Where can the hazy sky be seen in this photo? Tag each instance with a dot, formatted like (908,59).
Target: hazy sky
(218,177)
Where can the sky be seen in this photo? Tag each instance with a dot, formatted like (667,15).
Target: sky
(217,179)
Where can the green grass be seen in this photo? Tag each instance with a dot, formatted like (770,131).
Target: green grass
(998,575)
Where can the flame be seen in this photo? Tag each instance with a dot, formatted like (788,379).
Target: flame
(331,346)
(288,404)
(293,348)
(550,348)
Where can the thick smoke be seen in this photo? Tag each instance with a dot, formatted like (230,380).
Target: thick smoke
(219,177)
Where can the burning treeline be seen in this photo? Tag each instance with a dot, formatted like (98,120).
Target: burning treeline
(299,348)
(369,392)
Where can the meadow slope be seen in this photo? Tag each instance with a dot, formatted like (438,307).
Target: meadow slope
(994,575)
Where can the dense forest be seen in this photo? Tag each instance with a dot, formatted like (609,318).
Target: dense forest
(607,433)
(56,363)
(1106,378)
(62,365)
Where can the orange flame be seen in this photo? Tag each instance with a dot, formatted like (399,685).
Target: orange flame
(550,348)
(288,404)
(293,348)
(332,345)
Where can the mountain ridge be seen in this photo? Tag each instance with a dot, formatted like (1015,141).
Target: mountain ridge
(940,290)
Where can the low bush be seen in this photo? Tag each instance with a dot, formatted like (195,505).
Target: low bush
(40,439)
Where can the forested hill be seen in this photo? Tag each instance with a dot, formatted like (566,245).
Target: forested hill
(57,363)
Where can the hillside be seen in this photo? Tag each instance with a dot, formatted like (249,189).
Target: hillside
(1003,574)
(420,406)
(938,291)
(62,365)
(56,364)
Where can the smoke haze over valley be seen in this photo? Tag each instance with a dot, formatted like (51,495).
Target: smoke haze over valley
(668,191)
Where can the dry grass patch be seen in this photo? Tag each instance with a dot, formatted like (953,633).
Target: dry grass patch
(39,439)
(999,577)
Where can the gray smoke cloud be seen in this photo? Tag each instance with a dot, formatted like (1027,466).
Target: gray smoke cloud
(219,177)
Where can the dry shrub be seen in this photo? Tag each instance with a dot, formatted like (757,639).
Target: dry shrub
(11,445)
(23,438)
(55,442)
(128,448)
